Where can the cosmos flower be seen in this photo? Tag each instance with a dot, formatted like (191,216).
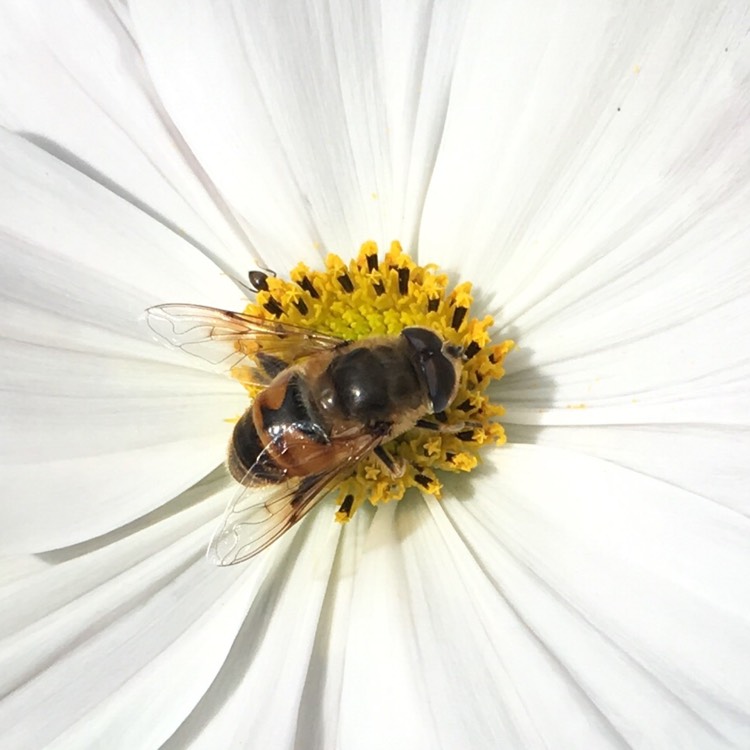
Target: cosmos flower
(585,165)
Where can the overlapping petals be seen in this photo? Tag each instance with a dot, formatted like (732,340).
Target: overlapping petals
(586,166)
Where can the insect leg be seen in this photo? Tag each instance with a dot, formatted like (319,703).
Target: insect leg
(426,424)
(271,365)
(394,467)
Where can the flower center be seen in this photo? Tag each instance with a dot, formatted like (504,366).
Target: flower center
(369,297)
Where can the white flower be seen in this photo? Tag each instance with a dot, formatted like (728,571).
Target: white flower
(586,165)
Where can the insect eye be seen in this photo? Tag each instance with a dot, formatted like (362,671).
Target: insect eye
(440,375)
(423,341)
(438,372)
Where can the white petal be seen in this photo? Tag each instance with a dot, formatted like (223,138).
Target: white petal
(604,191)
(384,699)
(707,460)
(88,639)
(320,707)
(74,84)
(539,173)
(96,430)
(319,123)
(488,681)
(668,346)
(627,582)
(255,697)
(91,236)
(137,637)
(98,441)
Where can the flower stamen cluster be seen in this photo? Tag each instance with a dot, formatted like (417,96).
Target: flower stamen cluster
(372,297)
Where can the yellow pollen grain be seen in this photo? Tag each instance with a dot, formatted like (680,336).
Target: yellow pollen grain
(377,295)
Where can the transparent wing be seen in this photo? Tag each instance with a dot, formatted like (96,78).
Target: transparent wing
(231,341)
(259,514)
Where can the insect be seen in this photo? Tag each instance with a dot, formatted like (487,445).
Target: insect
(325,404)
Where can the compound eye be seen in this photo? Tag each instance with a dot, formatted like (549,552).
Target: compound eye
(438,370)
(440,375)
(423,341)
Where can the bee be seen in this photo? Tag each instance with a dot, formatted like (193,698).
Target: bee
(326,403)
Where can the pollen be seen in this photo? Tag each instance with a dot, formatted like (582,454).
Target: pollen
(371,296)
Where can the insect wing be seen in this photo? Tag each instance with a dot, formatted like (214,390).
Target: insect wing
(253,348)
(259,514)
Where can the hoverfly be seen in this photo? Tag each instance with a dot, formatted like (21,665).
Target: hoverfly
(325,404)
